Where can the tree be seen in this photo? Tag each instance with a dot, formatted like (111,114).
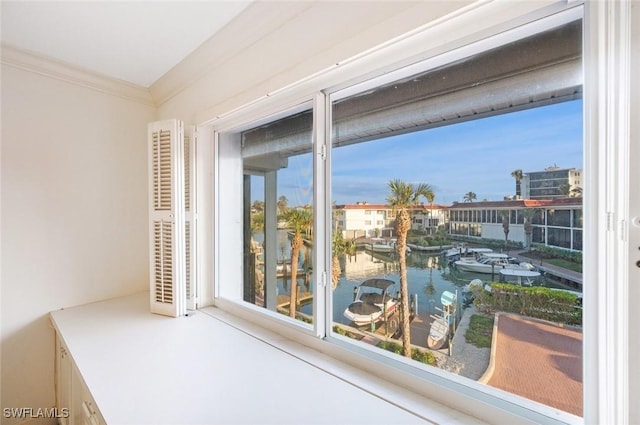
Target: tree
(282,205)
(528,228)
(402,196)
(564,189)
(505,225)
(339,247)
(299,220)
(257,206)
(575,192)
(517,174)
(470,197)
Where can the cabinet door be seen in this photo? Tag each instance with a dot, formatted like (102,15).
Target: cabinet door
(63,381)
(84,410)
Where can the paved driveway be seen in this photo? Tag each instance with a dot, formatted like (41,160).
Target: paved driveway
(538,360)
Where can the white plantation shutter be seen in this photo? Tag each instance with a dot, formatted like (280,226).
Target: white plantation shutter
(167,218)
(190,216)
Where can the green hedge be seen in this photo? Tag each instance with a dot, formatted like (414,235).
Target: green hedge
(551,252)
(489,243)
(539,302)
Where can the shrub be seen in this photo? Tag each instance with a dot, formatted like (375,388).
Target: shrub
(425,356)
(539,302)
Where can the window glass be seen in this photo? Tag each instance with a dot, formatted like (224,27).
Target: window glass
(445,138)
(278,216)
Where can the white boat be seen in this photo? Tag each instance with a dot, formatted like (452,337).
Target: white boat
(462,251)
(438,333)
(518,277)
(490,263)
(441,324)
(372,300)
(380,245)
(384,246)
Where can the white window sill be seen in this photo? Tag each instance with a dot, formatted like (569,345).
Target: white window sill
(214,367)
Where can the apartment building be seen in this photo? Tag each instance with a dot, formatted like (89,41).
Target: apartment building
(552,182)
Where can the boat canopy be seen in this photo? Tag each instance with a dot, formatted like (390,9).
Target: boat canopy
(519,273)
(378,283)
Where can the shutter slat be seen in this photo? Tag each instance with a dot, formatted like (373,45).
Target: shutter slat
(167,227)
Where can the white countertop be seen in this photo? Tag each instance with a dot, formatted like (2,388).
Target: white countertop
(143,368)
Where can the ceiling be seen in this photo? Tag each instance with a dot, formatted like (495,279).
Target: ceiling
(134,41)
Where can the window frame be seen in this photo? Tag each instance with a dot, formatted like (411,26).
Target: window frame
(603,364)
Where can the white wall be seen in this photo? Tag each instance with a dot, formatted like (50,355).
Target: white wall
(74,216)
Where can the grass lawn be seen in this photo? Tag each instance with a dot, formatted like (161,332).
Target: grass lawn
(480,331)
(569,265)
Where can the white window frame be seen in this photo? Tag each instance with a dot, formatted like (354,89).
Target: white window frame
(606,114)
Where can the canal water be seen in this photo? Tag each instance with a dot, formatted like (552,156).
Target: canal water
(428,277)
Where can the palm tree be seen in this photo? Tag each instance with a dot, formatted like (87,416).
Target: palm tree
(575,192)
(257,206)
(528,228)
(403,195)
(299,220)
(564,189)
(470,197)
(505,225)
(282,205)
(517,174)
(339,247)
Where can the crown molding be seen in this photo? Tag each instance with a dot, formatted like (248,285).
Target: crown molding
(42,65)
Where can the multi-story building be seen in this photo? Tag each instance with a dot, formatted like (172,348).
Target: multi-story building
(373,220)
(552,182)
(555,222)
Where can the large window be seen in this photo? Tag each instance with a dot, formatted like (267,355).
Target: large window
(453,135)
(278,215)
(357,210)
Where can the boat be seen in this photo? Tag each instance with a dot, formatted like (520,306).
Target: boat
(490,263)
(462,251)
(518,277)
(438,333)
(441,324)
(373,302)
(382,246)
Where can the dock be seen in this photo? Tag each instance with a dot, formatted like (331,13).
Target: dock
(565,276)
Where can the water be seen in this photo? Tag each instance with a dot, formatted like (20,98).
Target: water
(427,274)
(426,277)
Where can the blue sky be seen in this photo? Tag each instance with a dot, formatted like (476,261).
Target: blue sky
(476,156)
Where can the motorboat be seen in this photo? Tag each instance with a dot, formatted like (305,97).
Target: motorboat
(518,277)
(382,246)
(462,251)
(490,263)
(372,303)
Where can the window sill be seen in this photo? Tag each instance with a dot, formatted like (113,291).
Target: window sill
(215,367)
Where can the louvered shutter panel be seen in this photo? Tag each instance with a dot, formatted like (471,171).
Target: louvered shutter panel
(167,218)
(190,216)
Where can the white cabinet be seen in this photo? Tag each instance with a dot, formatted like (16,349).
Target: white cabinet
(75,405)
(63,382)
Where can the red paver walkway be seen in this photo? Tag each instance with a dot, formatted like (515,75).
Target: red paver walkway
(540,361)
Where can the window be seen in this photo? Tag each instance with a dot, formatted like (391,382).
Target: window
(391,87)
(388,138)
(278,215)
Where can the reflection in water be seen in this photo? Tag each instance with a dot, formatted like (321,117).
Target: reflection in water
(425,275)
